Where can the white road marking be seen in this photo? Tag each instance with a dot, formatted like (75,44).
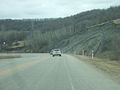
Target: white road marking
(70,79)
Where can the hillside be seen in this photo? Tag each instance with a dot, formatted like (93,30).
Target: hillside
(103,39)
(96,30)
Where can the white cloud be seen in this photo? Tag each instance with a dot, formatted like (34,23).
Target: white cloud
(49,8)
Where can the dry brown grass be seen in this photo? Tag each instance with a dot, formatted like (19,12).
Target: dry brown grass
(17,44)
(9,57)
(111,68)
(117,21)
(100,24)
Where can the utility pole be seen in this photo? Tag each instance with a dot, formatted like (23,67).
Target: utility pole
(32,27)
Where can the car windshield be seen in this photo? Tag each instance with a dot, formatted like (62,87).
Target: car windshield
(56,49)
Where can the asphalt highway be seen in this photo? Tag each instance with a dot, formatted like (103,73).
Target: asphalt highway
(44,72)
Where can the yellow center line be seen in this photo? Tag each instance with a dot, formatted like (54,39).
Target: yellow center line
(18,67)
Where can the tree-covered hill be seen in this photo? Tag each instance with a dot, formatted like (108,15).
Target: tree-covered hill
(85,18)
(92,30)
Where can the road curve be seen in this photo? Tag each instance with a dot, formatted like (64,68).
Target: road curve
(44,72)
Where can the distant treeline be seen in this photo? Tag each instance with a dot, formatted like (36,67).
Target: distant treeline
(82,19)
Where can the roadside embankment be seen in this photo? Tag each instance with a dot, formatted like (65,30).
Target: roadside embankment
(110,67)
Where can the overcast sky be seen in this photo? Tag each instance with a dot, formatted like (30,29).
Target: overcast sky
(20,9)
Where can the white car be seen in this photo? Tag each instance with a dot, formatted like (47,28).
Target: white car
(56,52)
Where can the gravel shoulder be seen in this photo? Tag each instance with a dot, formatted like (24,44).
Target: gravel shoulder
(111,68)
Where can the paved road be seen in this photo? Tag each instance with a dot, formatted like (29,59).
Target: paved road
(44,72)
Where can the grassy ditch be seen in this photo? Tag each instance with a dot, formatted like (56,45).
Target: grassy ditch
(110,67)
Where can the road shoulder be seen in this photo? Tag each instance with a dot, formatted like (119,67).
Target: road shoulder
(111,68)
